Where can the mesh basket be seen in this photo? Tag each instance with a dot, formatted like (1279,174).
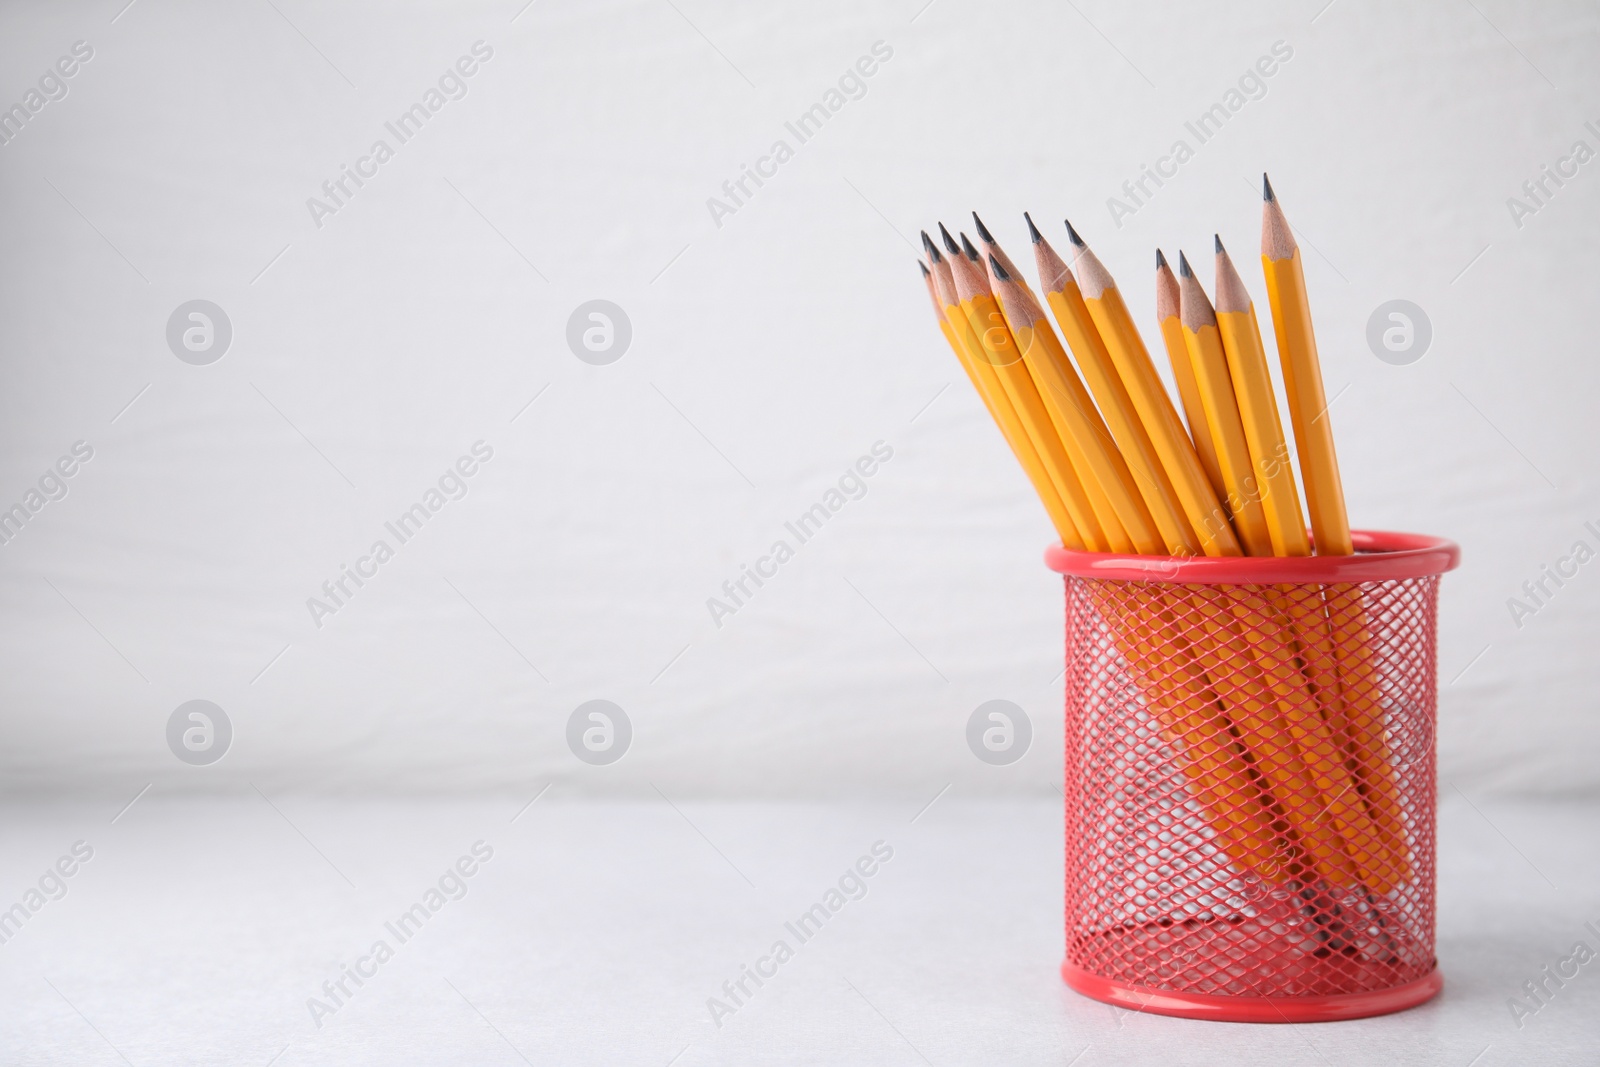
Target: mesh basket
(1250,781)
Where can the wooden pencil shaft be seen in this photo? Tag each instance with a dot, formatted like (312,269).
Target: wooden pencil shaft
(1160,520)
(1000,353)
(1308,405)
(1258,410)
(1201,508)
(1019,387)
(1194,414)
(1215,385)
(1092,449)
(984,379)
(987,382)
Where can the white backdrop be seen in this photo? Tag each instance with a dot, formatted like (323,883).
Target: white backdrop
(376,339)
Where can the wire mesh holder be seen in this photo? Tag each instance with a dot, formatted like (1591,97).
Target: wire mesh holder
(1251,786)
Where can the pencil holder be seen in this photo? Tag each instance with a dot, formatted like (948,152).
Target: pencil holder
(1250,780)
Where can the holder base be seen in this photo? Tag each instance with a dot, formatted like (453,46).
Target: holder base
(1254,1009)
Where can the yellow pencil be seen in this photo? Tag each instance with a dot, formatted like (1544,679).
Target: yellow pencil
(938,310)
(1308,632)
(1258,408)
(1200,505)
(1215,386)
(1051,390)
(1090,446)
(987,382)
(1302,379)
(1183,373)
(1356,713)
(1122,419)
(998,351)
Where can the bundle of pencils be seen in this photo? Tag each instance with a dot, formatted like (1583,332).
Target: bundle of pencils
(1281,738)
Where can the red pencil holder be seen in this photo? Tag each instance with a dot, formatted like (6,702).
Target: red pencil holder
(1250,780)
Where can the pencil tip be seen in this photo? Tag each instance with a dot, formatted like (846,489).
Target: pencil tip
(1161,261)
(1183,266)
(928,246)
(999,271)
(1072,235)
(966,246)
(983,231)
(1266,188)
(924,268)
(1033,231)
(949,242)
(1217,237)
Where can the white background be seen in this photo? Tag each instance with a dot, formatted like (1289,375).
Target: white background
(767,355)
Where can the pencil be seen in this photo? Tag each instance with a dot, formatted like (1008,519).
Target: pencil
(1302,379)
(1212,381)
(998,351)
(1194,413)
(938,311)
(1104,473)
(1200,506)
(1258,409)
(1163,510)
(1053,394)
(987,383)
(1357,711)
(1304,709)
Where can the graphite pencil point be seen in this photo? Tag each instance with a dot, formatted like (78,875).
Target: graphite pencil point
(967,247)
(1161,260)
(1266,188)
(1230,290)
(924,268)
(1183,266)
(983,231)
(1277,240)
(1072,235)
(1033,231)
(930,247)
(1217,237)
(949,242)
(999,271)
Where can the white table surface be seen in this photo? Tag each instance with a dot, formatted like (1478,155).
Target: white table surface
(597,931)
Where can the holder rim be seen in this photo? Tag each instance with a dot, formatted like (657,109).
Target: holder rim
(1381,555)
